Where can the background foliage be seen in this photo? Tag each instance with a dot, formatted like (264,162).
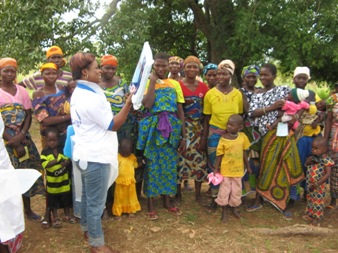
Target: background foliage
(288,32)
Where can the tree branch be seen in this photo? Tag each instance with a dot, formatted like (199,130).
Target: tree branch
(199,17)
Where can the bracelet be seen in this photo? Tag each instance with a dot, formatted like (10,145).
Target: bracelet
(63,116)
(264,110)
(203,137)
(23,132)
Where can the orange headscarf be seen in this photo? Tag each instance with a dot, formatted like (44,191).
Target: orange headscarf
(192,58)
(53,50)
(109,60)
(5,62)
(48,65)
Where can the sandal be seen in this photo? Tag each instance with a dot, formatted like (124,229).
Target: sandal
(253,208)
(131,216)
(34,217)
(330,209)
(307,218)
(70,219)
(175,211)
(152,215)
(57,223)
(287,215)
(45,224)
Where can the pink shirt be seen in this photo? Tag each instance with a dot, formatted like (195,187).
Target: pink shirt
(21,97)
(292,108)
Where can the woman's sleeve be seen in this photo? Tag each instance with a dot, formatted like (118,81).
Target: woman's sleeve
(206,104)
(179,93)
(254,104)
(240,102)
(26,101)
(102,116)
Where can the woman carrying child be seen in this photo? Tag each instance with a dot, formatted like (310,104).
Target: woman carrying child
(230,161)
(279,159)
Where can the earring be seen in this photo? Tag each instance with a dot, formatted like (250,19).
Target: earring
(86,76)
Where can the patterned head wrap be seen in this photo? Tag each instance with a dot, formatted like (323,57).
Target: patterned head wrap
(192,58)
(109,60)
(5,62)
(176,59)
(209,66)
(54,50)
(252,69)
(48,65)
(227,64)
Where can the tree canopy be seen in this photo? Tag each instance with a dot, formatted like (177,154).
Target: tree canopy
(291,32)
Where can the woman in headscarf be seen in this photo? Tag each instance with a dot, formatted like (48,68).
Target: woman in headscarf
(219,104)
(280,165)
(54,55)
(175,67)
(48,104)
(210,74)
(161,135)
(250,75)
(16,112)
(192,163)
(115,91)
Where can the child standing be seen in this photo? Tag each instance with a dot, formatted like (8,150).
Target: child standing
(58,178)
(319,170)
(125,197)
(230,161)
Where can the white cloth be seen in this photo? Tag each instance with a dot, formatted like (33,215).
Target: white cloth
(302,70)
(13,183)
(92,117)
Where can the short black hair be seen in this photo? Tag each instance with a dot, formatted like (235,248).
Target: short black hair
(51,130)
(161,56)
(271,67)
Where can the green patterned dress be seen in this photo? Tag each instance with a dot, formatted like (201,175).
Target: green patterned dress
(160,142)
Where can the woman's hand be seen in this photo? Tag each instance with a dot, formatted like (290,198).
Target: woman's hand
(202,146)
(20,150)
(182,146)
(128,97)
(278,104)
(15,140)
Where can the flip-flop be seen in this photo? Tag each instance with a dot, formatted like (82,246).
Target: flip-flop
(152,216)
(330,209)
(287,215)
(253,208)
(45,224)
(174,210)
(57,223)
(34,217)
(307,218)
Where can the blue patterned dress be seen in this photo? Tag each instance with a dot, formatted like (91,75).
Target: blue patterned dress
(160,152)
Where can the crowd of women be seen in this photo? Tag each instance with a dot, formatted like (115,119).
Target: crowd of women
(173,138)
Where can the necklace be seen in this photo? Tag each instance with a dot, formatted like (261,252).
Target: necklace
(233,135)
(226,91)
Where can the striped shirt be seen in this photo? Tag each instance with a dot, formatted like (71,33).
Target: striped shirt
(36,81)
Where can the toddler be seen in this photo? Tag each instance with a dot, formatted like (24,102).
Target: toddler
(125,197)
(318,171)
(297,100)
(230,161)
(59,193)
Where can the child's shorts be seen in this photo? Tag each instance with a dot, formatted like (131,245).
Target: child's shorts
(56,201)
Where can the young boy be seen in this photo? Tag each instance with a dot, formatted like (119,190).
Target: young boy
(58,178)
(230,161)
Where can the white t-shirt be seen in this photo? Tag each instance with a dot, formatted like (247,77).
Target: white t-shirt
(92,119)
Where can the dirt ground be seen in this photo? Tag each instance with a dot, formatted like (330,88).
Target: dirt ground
(196,230)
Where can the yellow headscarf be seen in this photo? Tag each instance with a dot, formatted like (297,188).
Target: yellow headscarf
(48,65)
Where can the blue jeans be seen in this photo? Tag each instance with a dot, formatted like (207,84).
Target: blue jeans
(94,194)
